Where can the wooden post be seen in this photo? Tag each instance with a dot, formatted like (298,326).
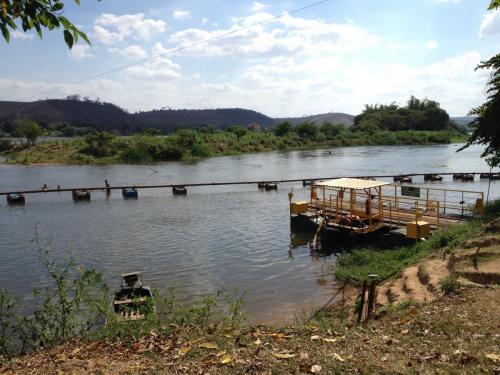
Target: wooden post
(371,295)
(330,204)
(362,301)
(444,203)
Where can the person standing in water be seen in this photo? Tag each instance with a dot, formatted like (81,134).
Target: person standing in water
(108,190)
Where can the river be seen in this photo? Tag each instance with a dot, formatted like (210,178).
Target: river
(215,238)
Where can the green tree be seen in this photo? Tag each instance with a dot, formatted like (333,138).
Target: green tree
(283,129)
(29,130)
(330,131)
(238,131)
(306,131)
(100,144)
(38,15)
(487,123)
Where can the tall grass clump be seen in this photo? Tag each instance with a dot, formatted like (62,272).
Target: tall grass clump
(355,266)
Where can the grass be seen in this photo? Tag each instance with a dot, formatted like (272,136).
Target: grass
(191,144)
(355,266)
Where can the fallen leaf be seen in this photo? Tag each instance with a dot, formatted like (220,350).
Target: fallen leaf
(315,369)
(337,357)
(493,357)
(185,350)
(208,345)
(257,342)
(329,340)
(284,355)
(226,359)
(315,338)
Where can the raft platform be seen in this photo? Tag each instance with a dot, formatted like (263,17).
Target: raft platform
(367,207)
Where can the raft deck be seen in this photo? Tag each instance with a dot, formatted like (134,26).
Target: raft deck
(364,206)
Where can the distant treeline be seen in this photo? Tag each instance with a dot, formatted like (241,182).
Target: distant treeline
(189,144)
(416,115)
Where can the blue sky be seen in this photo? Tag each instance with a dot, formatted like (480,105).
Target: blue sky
(333,57)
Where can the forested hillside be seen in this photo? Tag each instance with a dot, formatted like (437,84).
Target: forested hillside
(77,116)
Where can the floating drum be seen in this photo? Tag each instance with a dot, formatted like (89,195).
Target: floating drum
(402,178)
(432,177)
(468,177)
(261,185)
(81,195)
(268,187)
(458,176)
(179,190)
(130,193)
(15,198)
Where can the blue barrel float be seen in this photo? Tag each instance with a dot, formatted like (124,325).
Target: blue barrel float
(130,193)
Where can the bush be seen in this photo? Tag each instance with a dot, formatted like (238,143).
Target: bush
(99,144)
(449,284)
(200,150)
(5,145)
(135,155)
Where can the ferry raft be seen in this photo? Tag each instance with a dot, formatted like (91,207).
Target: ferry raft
(365,207)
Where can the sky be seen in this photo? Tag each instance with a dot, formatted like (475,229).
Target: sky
(274,57)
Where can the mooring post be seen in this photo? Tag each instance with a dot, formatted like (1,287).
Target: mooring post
(362,301)
(372,294)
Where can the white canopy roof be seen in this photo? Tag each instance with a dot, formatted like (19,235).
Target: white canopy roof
(351,183)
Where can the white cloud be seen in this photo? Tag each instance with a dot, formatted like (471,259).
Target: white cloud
(80,52)
(490,24)
(287,36)
(181,14)
(257,7)
(431,44)
(131,52)
(106,89)
(110,29)
(159,68)
(16,34)
(204,21)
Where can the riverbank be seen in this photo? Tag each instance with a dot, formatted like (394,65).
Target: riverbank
(188,145)
(456,334)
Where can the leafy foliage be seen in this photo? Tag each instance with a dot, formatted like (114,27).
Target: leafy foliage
(416,115)
(28,129)
(38,15)
(487,123)
(99,144)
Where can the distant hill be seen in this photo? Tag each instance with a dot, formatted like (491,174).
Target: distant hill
(221,118)
(77,113)
(106,116)
(334,118)
(464,121)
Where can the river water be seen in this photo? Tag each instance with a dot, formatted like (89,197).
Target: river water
(215,238)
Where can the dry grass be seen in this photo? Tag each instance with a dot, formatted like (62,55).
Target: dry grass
(457,334)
